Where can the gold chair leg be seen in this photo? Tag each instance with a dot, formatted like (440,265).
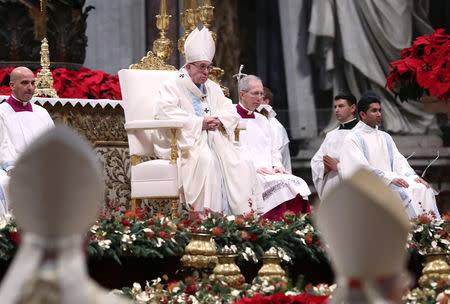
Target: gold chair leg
(134,203)
(174,209)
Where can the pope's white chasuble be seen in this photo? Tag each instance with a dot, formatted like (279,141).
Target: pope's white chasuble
(213,175)
(375,150)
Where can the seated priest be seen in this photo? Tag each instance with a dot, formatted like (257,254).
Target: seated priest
(213,175)
(373,149)
(282,191)
(21,122)
(279,132)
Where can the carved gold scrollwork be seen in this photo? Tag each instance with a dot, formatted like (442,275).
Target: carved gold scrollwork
(101,126)
(152,62)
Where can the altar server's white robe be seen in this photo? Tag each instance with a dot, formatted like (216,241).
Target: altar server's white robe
(331,146)
(259,147)
(375,150)
(209,160)
(17,131)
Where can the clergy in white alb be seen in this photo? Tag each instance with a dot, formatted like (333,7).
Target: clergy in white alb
(21,120)
(213,176)
(324,167)
(375,150)
(282,191)
(279,132)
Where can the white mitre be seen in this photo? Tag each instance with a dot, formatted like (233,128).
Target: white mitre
(366,227)
(55,190)
(199,46)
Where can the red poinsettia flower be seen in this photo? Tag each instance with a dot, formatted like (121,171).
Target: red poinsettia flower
(15,237)
(217,231)
(83,83)
(422,68)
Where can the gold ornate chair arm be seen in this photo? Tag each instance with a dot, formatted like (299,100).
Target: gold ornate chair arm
(173,147)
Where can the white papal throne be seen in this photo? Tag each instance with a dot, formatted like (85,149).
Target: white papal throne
(155,178)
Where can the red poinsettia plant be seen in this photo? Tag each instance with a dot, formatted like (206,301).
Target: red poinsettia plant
(424,68)
(83,83)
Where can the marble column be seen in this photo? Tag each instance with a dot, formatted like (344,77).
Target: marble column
(116,34)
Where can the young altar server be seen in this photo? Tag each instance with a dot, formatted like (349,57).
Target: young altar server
(371,148)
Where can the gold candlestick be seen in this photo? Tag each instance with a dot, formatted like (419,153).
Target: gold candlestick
(163,46)
(206,14)
(44,79)
(189,19)
(162,7)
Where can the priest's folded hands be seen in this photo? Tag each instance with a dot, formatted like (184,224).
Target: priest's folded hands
(275,170)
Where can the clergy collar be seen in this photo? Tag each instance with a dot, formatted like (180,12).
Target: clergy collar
(243,112)
(19,106)
(366,127)
(348,125)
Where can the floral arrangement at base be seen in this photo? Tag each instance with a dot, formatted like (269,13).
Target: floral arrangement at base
(423,68)
(119,234)
(197,291)
(429,234)
(249,235)
(83,83)
(434,293)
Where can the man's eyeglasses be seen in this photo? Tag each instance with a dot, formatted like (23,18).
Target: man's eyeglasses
(256,93)
(202,67)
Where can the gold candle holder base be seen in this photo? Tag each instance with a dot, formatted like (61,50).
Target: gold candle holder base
(44,79)
(226,269)
(200,253)
(271,270)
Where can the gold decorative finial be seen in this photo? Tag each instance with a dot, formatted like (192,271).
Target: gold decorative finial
(44,79)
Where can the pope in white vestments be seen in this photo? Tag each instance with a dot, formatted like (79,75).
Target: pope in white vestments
(213,176)
(282,191)
(21,122)
(375,150)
